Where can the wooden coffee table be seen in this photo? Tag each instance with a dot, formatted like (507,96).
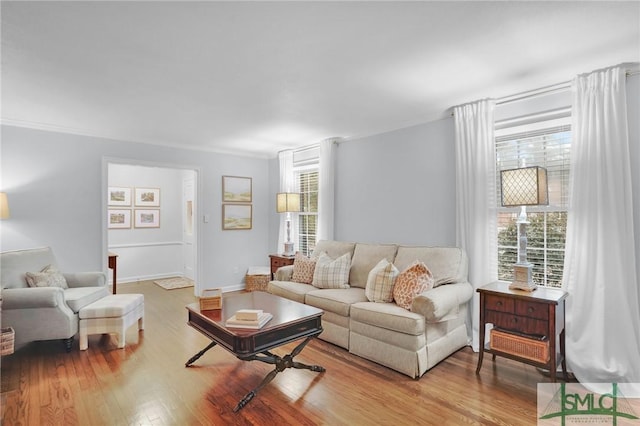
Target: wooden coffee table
(291,321)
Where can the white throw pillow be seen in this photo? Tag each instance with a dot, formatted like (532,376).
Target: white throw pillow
(330,273)
(380,282)
(48,277)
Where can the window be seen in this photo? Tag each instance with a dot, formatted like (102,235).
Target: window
(306,170)
(545,144)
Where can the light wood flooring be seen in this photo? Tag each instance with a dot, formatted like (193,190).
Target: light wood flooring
(147,383)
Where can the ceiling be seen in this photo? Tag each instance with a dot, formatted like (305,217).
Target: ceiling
(254,78)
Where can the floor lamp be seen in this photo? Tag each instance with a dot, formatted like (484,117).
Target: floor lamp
(288,202)
(526,186)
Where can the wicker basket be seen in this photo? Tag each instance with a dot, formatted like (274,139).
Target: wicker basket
(529,348)
(211,299)
(7,340)
(257,278)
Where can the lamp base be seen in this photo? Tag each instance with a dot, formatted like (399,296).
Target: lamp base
(522,277)
(288,249)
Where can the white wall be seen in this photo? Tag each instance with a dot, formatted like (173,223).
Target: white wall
(148,253)
(55,182)
(398,187)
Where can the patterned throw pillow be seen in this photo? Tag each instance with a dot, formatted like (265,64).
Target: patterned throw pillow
(414,280)
(48,277)
(331,273)
(380,282)
(303,269)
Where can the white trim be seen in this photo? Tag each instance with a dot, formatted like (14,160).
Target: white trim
(134,245)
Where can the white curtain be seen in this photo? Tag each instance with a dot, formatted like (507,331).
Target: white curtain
(476,221)
(287,184)
(603,313)
(326,189)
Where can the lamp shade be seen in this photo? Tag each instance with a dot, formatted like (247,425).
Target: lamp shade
(287,202)
(525,186)
(4,206)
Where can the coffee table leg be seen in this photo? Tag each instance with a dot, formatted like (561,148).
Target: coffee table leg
(281,364)
(199,354)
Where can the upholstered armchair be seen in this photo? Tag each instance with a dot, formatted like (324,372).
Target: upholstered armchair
(41,303)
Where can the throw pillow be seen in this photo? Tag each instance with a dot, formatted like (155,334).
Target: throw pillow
(380,282)
(332,273)
(414,280)
(48,277)
(303,269)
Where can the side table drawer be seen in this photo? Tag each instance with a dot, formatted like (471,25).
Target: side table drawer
(498,303)
(532,309)
(517,323)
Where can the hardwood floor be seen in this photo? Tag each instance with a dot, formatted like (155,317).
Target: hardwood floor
(147,383)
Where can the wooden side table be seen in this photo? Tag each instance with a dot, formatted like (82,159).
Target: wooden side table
(278,260)
(528,315)
(113,264)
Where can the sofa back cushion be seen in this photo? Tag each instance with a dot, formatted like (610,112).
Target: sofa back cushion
(15,264)
(365,258)
(447,264)
(334,249)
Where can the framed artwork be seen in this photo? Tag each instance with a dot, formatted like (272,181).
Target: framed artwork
(236,189)
(119,219)
(147,218)
(236,216)
(147,197)
(119,196)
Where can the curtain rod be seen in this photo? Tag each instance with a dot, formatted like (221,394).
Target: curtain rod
(543,91)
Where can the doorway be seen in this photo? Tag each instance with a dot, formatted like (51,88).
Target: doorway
(159,238)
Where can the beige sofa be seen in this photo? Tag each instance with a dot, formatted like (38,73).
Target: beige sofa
(410,342)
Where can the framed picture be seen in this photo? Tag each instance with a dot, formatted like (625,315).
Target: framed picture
(119,219)
(119,196)
(236,216)
(236,189)
(148,197)
(147,218)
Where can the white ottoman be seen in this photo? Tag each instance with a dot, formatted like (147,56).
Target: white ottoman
(111,314)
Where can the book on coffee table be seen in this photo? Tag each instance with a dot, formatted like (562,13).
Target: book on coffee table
(263,318)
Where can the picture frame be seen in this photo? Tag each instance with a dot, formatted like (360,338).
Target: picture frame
(237,216)
(147,197)
(119,219)
(146,218)
(236,189)
(119,196)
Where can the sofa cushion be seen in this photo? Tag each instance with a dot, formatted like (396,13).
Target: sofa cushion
(334,249)
(388,316)
(411,282)
(290,290)
(79,297)
(447,264)
(365,257)
(338,301)
(332,273)
(303,269)
(48,277)
(380,282)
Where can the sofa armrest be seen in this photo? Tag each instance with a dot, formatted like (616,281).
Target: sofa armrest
(443,302)
(86,279)
(32,297)
(284,273)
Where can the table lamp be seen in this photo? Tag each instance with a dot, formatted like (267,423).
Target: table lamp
(4,206)
(288,202)
(526,186)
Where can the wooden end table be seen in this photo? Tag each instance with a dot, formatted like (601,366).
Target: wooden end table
(529,314)
(279,260)
(291,321)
